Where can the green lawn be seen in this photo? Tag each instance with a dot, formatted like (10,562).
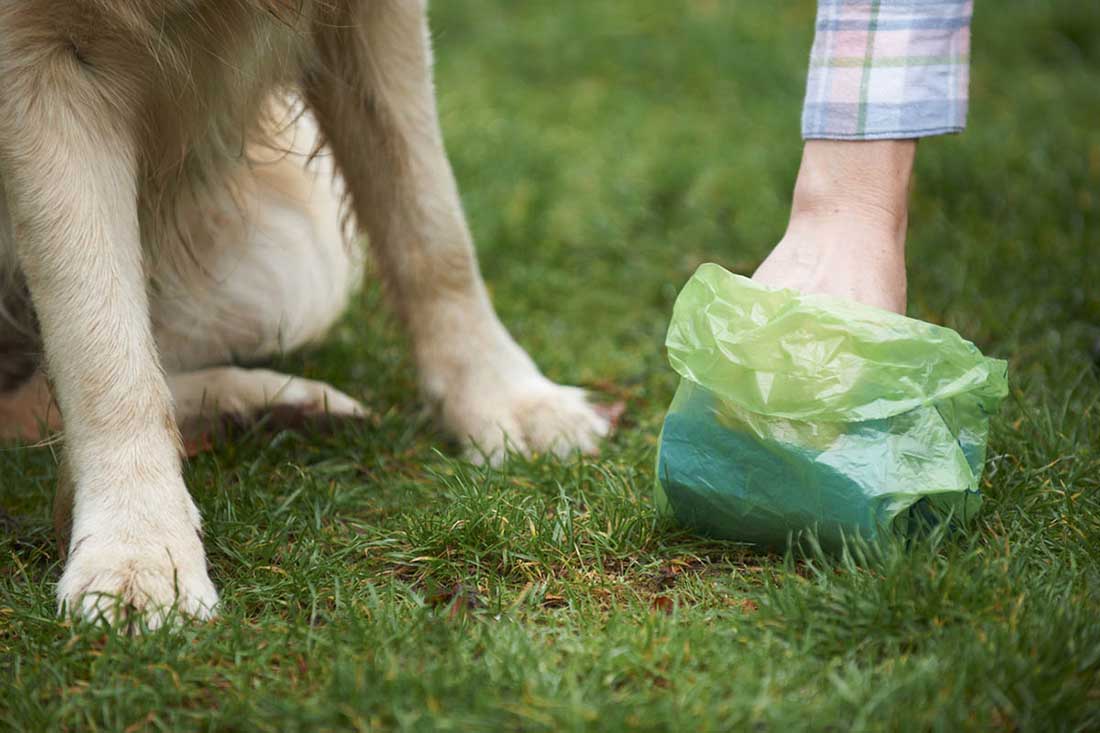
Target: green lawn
(372,580)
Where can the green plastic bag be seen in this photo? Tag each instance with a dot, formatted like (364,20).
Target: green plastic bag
(809,412)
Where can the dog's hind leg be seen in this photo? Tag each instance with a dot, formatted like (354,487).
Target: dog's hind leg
(69,157)
(206,398)
(372,92)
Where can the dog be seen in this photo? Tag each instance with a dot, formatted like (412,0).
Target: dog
(182,183)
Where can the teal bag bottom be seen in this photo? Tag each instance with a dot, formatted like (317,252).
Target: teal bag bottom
(736,485)
(799,412)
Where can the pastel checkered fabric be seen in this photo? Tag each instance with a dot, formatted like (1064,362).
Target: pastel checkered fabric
(887,69)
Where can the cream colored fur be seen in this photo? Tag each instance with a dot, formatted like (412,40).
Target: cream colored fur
(159,201)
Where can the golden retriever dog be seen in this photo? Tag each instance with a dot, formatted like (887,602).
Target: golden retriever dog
(174,176)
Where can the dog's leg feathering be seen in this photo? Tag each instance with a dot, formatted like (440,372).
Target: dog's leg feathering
(69,160)
(373,96)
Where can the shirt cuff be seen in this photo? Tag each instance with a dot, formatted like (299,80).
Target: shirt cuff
(888,69)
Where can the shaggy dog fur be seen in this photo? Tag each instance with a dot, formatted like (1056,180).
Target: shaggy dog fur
(173,175)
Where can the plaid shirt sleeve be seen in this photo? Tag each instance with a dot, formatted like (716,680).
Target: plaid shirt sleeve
(888,69)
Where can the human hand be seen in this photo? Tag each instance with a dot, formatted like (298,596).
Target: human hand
(846,235)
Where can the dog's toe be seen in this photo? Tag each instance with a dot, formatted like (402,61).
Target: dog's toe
(138,594)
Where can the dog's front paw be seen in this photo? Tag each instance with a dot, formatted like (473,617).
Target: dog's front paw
(138,570)
(529,417)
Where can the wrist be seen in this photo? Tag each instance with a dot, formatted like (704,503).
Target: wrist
(865,181)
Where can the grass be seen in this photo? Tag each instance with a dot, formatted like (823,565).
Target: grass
(371,580)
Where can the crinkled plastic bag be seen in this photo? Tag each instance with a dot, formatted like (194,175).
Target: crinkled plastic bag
(803,412)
